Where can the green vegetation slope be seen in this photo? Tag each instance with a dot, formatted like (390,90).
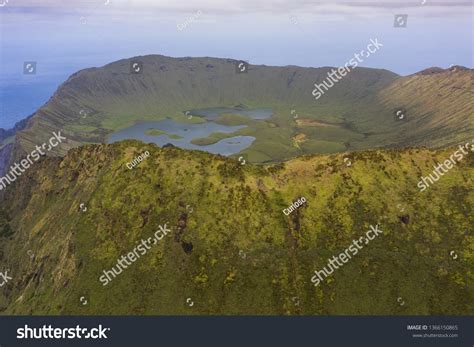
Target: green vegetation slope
(232,250)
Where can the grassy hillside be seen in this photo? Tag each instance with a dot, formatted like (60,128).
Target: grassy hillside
(232,250)
(95,102)
(438,106)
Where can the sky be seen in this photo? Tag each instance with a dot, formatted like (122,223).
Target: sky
(63,36)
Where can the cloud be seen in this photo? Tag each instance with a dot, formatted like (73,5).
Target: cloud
(269,7)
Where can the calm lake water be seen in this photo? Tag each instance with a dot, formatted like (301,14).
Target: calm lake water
(188,132)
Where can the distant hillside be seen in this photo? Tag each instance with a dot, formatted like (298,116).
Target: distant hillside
(232,250)
(94,102)
(438,105)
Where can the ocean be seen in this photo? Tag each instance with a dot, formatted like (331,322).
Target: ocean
(19,99)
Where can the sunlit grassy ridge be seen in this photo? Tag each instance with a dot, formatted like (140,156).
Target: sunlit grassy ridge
(247,256)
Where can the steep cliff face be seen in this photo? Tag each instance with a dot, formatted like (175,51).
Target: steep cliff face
(6,138)
(231,249)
